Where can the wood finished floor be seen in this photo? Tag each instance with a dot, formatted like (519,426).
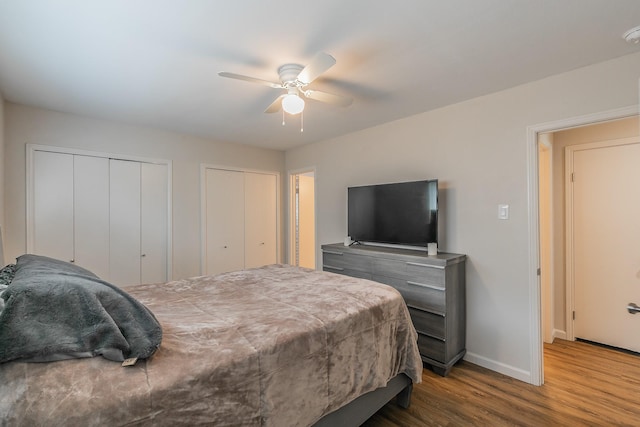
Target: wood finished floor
(585,385)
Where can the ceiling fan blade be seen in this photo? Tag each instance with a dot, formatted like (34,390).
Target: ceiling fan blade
(275,105)
(250,79)
(329,98)
(318,65)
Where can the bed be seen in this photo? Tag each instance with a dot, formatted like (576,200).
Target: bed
(272,346)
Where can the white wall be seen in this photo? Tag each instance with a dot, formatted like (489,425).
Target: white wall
(37,126)
(477,149)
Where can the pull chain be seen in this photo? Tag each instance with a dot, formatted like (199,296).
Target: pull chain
(301,121)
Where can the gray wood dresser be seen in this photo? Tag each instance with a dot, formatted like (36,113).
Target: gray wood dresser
(433,287)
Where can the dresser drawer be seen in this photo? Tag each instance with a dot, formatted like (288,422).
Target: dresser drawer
(348,272)
(430,298)
(431,347)
(390,267)
(407,270)
(426,273)
(428,323)
(337,260)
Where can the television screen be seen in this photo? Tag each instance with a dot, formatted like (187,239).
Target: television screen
(403,213)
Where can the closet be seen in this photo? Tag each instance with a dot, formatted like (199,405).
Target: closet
(240,219)
(108,215)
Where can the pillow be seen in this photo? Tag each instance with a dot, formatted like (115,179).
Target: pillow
(6,274)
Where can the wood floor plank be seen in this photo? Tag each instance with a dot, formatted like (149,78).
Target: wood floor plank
(585,384)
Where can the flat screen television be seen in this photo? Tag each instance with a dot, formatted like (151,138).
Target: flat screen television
(404,213)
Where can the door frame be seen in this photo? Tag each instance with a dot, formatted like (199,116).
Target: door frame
(291,212)
(545,212)
(569,229)
(29,184)
(536,367)
(203,207)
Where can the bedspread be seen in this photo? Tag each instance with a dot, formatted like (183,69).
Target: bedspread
(274,346)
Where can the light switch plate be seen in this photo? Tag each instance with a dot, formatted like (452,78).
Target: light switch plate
(503,211)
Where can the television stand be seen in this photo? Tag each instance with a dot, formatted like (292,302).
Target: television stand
(433,287)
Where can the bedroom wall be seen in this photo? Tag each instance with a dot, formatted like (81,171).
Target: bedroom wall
(478,151)
(38,126)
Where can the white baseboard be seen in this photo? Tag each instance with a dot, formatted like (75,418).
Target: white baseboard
(559,334)
(499,367)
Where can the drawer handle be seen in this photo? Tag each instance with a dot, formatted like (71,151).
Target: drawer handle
(431,336)
(423,285)
(417,264)
(333,252)
(329,267)
(434,312)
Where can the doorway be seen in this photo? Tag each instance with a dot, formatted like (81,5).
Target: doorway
(603,266)
(302,224)
(552,322)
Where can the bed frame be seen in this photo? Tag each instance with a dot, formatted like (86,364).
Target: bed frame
(361,409)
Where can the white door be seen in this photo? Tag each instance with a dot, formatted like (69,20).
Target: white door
(224,221)
(124,228)
(153,222)
(91,214)
(606,236)
(100,213)
(52,233)
(260,217)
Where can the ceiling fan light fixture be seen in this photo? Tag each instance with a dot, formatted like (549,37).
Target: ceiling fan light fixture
(633,35)
(292,104)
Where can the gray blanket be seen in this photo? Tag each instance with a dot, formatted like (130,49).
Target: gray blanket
(55,310)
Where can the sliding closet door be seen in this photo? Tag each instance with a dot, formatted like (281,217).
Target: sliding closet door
(52,233)
(108,215)
(260,199)
(153,222)
(240,220)
(124,228)
(91,214)
(71,209)
(224,221)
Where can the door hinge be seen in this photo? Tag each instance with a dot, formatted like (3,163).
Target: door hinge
(572,177)
(574,315)
(538,272)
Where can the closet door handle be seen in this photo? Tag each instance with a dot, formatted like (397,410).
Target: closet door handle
(143,255)
(633,308)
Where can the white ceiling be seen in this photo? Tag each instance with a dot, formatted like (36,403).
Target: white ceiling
(155,62)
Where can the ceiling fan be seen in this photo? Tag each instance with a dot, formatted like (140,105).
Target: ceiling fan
(294,79)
